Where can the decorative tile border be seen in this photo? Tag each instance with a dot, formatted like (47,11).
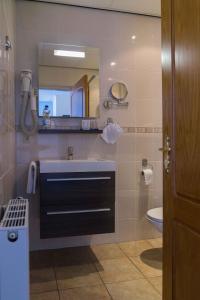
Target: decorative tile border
(142,129)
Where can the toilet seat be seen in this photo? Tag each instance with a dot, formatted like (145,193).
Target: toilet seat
(156,214)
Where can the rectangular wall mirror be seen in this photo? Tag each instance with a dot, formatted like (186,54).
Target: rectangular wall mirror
(68,81)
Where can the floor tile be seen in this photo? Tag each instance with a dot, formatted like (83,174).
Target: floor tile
(107,251)
(85,293)
(135,248)
(133,290)
(72,256)
(116,270)
(157,283)
(147,270)
(77,276)
(41,259)
(46,296)
(42,280)
(156,243)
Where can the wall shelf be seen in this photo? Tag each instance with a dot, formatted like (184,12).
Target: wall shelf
(60,130)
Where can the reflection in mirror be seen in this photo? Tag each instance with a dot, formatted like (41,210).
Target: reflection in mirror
(68,81)
(119,91)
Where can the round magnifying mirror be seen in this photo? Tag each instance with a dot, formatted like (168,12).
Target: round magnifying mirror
(119,91)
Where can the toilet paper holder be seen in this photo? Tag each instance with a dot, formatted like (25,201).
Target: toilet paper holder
(145,165)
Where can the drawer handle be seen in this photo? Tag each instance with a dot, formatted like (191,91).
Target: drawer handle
(83,211)
(77,179)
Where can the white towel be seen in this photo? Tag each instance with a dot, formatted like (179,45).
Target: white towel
(32,178)
(111,133)
(148,176)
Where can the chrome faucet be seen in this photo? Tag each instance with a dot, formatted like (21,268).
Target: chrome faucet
(70,153)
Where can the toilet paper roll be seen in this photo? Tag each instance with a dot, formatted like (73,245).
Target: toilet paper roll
(148,176)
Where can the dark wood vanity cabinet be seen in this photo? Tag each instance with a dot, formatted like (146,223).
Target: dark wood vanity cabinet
(75,203)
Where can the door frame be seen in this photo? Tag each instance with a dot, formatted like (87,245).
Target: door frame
(167,99)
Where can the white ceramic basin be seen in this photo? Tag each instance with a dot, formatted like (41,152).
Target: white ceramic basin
(90,165)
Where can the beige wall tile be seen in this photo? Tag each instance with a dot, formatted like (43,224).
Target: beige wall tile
(151,76)
(135,204)
(127,175)
(144,229)
(126,230)
(151,117)
(126,148)
(147,146)
(127,204)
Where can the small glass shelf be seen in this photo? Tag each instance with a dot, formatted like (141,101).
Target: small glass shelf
(62,130)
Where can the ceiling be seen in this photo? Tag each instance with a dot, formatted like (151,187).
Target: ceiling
(147,7)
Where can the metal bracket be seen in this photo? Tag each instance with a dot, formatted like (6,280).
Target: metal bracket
(7,44)
(109,103)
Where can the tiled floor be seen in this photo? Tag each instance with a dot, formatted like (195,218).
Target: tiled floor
(125,271)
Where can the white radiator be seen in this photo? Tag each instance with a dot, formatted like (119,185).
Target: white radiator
(14,251)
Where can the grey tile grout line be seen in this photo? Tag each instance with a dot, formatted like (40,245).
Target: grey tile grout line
(104,284)
(130,260)
(94,264)
(121,281)
(90,262)
(102,281)
(54,268)
(145,277)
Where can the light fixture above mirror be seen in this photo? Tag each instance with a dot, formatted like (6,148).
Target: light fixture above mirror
(66,53)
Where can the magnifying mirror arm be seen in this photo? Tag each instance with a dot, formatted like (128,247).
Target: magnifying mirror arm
(109,103)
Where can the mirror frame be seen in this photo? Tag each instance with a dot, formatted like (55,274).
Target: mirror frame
(126,91)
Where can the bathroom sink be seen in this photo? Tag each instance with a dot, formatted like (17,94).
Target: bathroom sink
(88,165)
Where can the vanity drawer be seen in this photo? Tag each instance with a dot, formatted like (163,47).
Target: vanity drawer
(77,188)
(72,222)
(78,203)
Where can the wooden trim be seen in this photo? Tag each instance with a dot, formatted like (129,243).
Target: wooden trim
(83,84)
(167,72)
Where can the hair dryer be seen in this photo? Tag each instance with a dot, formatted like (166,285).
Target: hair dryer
(27,97)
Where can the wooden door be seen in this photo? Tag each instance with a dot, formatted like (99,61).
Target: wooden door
(181,122)
(80,98)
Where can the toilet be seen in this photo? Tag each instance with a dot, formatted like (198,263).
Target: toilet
(155,216)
